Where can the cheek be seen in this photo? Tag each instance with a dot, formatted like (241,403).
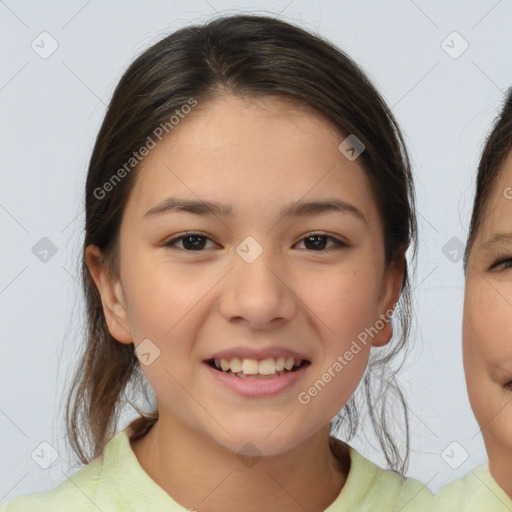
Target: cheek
(478,335)
(165,307)
(475,338)
(487,329)
(346,302)
(345,308)
(159,296)
(487,342)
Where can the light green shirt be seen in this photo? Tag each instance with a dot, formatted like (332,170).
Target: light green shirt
(476,492)
(116,482)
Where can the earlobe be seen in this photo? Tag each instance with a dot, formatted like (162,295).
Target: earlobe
(383,337)
(112,296)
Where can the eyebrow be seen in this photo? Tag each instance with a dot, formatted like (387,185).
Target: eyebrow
(294,209)
(498,239)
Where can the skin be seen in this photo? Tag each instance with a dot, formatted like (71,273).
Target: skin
(192,304)
(487,329)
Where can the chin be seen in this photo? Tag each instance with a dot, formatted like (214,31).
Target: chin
(261,440)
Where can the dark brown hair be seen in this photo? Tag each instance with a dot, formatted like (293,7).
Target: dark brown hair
(497,146)
(253,57)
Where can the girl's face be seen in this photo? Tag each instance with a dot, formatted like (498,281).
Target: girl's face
(487,326)
(286,262)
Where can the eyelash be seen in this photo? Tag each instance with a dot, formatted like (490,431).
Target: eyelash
(338,243)
(507,264)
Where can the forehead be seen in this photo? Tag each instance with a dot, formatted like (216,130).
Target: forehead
(250,153)
(499,204)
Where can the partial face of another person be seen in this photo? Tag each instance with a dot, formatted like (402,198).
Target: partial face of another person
(266,281)
(487,327)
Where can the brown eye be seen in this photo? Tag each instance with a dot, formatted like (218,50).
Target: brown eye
(318,242)
(190,242)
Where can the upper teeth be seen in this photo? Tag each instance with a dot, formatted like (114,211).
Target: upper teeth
(254,367)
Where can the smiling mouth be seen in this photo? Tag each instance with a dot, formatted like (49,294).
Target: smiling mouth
(269,368)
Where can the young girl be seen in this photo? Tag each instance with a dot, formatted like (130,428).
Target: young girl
(487,327)
(249,204)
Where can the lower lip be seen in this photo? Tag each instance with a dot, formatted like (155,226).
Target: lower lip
(257,387)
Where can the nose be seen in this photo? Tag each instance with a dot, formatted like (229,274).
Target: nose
(258,293)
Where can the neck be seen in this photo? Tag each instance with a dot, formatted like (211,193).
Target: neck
(198,473)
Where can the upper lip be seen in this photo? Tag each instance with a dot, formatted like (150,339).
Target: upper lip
(260,354)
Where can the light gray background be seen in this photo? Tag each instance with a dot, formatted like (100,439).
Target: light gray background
(52,109)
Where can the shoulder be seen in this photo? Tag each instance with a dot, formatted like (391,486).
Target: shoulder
(81,492)
(369,487)
(477,491)
(389,487)
(76,492)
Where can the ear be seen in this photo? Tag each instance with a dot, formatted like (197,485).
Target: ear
(388,298)
(112,296)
